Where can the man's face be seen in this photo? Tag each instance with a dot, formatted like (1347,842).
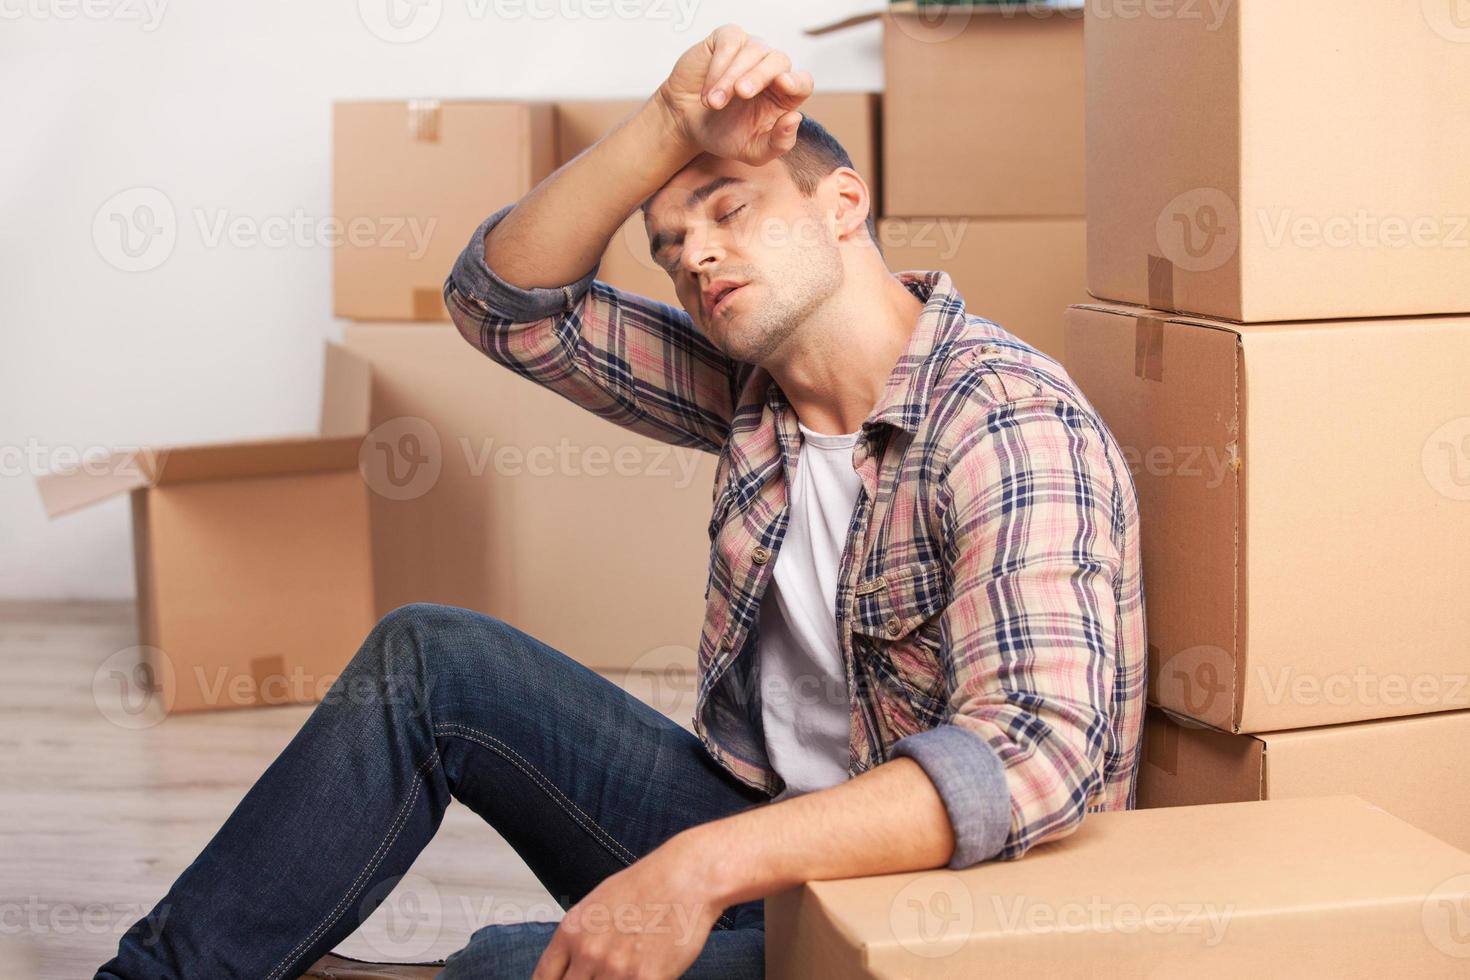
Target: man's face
(749,254)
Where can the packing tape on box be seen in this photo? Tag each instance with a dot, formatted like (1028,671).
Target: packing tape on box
(1148,348)
(428,304)
(423,120)
(1160,283)
(269,677)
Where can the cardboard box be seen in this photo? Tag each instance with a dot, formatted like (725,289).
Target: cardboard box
(1260,160)
(1325,887)
(411,181)
(253,565)
(1016,71)
(1022,274)
(589,537)
(1412,767)
(1305,497)
(852,117)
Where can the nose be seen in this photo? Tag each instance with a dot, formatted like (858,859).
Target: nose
(701,251)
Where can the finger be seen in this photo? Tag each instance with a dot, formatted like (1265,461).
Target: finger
(758,78)
(797,85)
(783,134)
(554,959)
(749,55)
(725,44)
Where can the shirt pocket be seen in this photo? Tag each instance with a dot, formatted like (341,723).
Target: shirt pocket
(896,624)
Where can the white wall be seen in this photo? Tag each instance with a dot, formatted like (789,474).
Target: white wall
(224,108)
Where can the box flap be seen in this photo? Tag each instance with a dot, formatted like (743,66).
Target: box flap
(96,479)
(346,393)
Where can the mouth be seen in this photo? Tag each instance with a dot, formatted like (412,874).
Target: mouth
(721,297)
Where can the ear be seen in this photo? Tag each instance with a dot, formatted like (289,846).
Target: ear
(853,202)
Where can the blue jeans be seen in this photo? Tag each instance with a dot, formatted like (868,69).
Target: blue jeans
(580,777)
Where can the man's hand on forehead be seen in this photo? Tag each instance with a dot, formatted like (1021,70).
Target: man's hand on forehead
(733,96)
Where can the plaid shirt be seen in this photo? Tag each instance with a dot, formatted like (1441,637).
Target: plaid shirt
(990,600)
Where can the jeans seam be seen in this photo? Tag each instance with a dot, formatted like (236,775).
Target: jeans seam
(557,796)
(390,836)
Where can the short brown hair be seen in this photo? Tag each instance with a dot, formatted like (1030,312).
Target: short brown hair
(816,154)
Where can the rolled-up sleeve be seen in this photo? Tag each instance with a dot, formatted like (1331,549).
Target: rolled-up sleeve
(476,282)
(1027,503)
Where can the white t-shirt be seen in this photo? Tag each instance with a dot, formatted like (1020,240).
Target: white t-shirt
(803,681)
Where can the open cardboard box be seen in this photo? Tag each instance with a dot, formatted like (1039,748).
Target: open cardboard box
(253,561)
(1304,490)
(982,109)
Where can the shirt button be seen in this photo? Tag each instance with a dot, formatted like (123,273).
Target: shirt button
(893,626)
(726,643)
(760,555)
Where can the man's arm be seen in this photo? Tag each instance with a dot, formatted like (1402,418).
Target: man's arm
(524,290)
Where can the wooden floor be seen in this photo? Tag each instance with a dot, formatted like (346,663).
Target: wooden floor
(98,819)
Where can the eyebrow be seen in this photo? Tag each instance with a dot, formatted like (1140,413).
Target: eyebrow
(696,196)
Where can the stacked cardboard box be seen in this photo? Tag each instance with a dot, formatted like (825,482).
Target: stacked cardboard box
(983,156)
(1294,177)
(1324,887)
(523,504)
(254,576)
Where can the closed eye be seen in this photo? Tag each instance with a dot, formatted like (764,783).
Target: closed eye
(729,214)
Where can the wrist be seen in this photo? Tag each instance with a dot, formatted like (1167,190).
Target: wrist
(718,872)
(670,124)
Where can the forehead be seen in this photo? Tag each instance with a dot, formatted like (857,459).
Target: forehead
(689,188)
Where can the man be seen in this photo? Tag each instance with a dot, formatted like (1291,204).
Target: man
(924,640)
